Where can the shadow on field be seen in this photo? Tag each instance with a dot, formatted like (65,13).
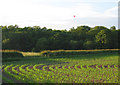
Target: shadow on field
(10,60)
(52,60)
(88,55)
(33,60)
(42,60)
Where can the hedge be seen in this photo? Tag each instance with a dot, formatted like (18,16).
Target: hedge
(75,52)
(8,55)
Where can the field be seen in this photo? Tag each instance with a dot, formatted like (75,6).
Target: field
(83,68)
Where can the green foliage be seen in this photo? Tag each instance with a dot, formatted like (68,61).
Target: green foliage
(6,43)
(113,28)
(38,39)
(103,38)
(89,44)
(75,52)
(41,44)
(11,56)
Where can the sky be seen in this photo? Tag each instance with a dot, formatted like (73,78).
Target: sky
(59,14)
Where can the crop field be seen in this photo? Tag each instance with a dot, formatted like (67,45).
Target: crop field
(84,68)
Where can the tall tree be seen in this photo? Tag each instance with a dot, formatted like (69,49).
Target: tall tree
(103,38)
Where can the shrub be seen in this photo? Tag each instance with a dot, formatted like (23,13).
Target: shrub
(11,55)
(75,52)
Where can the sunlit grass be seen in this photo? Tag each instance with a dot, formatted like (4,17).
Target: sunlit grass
(30,54)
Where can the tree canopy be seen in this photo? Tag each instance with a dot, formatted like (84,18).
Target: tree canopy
(37,39)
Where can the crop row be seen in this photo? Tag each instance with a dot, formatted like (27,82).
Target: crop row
(40,73)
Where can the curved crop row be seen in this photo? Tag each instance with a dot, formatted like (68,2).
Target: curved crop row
(63,73)
(15,73)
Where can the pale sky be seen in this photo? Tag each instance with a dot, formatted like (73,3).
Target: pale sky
(58,14)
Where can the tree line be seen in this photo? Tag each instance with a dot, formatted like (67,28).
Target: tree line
(37,39)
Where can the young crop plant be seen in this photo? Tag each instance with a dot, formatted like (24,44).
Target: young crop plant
(50,67)
(30,70)
(75,69)
(44,68)
(6,80)
(13,69)
(23,70)
(34,67)
(69,67)
(26,74)
(13,75)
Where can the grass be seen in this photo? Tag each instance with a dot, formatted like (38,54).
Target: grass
(30,54)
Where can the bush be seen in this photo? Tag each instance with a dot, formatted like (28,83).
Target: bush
(75,52)
(11,55)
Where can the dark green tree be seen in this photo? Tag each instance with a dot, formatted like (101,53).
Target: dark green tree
(113,28)
(42,44)
(103,38)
